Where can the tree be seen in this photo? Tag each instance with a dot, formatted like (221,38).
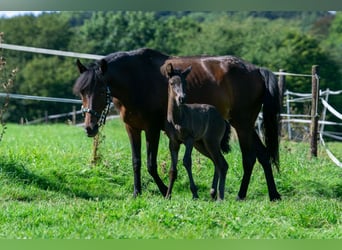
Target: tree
(107,32)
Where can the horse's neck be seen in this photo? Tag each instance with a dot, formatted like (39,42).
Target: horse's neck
(174,112)
(125,95)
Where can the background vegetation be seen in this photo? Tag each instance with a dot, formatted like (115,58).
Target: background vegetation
(50,191)
(293,41)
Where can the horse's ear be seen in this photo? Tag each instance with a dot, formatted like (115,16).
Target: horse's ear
(103,66)
(81,67)
(169,69)
(186,71)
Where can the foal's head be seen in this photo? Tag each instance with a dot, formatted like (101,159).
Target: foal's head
(177,83)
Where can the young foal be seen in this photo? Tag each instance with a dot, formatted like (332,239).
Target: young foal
(199,125)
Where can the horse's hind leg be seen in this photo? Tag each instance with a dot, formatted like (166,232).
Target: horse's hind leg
(187,162)
(264,159)
(248,160)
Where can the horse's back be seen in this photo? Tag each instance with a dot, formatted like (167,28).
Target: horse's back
(230,84)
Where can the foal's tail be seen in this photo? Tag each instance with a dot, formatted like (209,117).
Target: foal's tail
(225,147)
(271,114)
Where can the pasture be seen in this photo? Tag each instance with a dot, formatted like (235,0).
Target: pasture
(49,190)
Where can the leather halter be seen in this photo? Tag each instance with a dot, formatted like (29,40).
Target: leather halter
(101,117)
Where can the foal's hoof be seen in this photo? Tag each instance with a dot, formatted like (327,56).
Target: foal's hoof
(213,194)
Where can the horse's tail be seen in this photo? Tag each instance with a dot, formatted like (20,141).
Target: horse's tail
(225,147)
(271,114)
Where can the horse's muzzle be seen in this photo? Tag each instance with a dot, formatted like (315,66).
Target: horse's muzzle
(92,130)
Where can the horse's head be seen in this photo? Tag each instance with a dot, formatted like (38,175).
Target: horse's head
(177,83)
(95,95)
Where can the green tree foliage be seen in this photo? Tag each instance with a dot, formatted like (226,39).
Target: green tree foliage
(333,41)
(106,32)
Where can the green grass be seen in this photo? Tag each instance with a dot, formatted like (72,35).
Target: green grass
(50,190)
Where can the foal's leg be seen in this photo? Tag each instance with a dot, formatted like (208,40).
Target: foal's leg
(213,190)
(152,142)
(135,140)
(202,149)
(187,162)
(221,168)
(248,151)
(174,149)
(264,159)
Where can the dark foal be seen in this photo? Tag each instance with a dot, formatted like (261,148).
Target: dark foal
(199,125)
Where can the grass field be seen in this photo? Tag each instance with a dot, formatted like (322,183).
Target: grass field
(49,190)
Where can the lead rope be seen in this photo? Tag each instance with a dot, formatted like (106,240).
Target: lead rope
(99,138)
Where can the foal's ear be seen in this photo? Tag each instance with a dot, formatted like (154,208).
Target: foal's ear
(81,67)
(103,66)
(186,71)
(169,69)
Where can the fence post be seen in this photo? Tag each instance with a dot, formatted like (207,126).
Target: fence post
(282,88)
(324,110)
(46,116)
(282,84)
(73,115)
(314,110)
(288,112)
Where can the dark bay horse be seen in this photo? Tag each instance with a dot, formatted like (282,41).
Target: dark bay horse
(138,84)
(199,125)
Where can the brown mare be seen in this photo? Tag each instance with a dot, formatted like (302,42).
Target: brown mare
(138,84)
(199,125)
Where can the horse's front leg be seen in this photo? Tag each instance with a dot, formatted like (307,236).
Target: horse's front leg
(135,140)
(174,149)
(152,142)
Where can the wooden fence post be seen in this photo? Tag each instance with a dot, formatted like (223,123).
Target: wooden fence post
(46,116)
(314,110)
(73,115)
(324,112)
(282,88)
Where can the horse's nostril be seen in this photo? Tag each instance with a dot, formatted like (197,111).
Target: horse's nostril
(91,131)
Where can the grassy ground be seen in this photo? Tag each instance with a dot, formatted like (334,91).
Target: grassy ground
(49,189)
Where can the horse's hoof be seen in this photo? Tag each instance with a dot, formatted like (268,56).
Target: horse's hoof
(238,198)
(195,197)
(275,198)
(136,194)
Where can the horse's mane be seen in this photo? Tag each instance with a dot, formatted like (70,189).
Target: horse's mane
(85,80)
(144,52)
